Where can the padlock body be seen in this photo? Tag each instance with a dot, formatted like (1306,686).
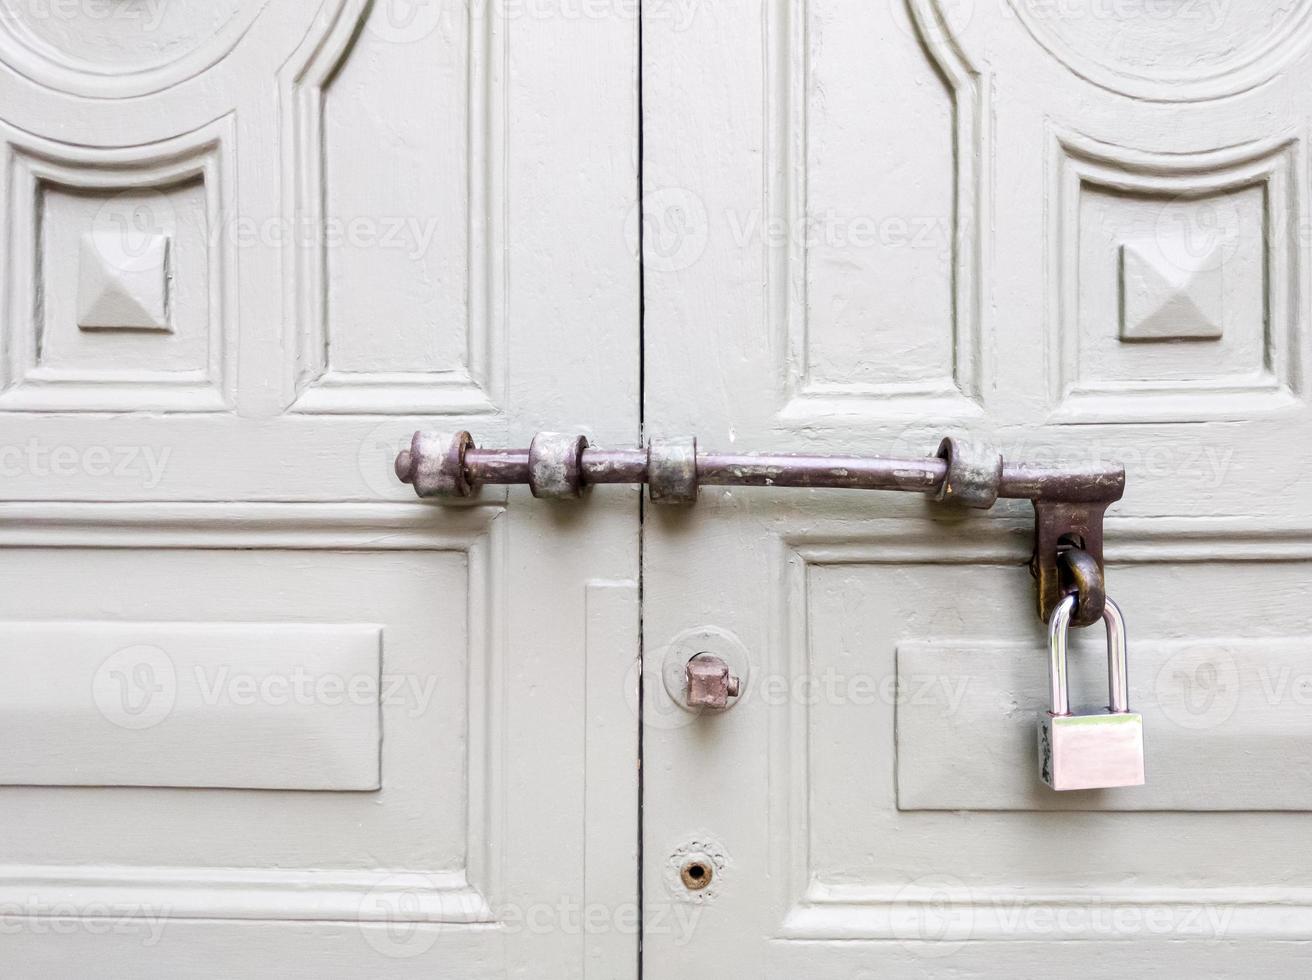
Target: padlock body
(1095,750)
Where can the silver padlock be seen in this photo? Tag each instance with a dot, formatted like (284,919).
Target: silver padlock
(1096,748)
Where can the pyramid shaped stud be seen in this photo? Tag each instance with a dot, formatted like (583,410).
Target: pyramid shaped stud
(1169,293)
(123,281)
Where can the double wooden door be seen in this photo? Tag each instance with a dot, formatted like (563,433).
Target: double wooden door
(264,713)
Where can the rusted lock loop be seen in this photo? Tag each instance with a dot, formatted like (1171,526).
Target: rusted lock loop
(1082,577)
(555,465)
(435,465)
(974,475)
(672,471)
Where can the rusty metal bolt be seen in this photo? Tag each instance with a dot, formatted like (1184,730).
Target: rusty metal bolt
(555,465)
(974,474)
(435,464)
(711,684)
(672,471)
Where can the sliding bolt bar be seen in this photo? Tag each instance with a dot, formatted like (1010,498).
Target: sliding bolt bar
(1069,504)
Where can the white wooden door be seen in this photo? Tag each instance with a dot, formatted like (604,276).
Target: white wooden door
(1077,229)
(261,712)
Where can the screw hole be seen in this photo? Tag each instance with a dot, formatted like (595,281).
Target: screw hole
(696,875)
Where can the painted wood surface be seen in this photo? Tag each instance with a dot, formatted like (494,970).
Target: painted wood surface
(250,247)
(1070,230)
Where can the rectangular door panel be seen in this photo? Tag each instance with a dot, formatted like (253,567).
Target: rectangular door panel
(221,675)
(311,695)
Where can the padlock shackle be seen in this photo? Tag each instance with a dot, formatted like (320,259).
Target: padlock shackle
(1059,695)
(1117,667)
(1118,671)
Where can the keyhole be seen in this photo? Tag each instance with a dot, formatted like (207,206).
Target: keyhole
(696,875)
